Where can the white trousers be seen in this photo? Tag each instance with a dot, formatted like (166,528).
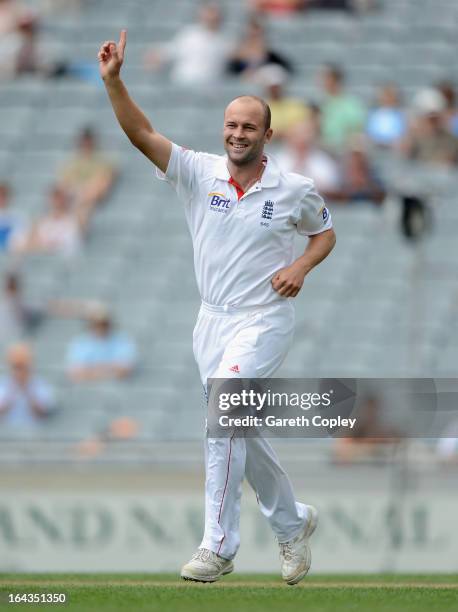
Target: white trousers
(244,344)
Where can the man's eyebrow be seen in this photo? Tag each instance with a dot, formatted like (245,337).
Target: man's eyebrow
(246,124)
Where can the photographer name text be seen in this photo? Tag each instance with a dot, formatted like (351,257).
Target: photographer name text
(299,421)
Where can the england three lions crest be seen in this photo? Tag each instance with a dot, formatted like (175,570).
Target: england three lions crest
(267,213)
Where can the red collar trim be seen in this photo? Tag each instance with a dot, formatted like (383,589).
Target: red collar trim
(240,192)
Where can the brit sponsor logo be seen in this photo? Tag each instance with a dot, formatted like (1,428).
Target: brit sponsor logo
(219,202)
(325,214)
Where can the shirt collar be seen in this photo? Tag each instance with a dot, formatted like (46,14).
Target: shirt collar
(270,177)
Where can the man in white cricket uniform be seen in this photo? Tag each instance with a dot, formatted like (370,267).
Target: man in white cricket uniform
(244,203)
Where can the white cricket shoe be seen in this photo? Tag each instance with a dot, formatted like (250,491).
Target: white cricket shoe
(295,555)
(206,566)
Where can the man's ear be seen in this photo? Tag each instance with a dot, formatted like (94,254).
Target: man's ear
(268,135)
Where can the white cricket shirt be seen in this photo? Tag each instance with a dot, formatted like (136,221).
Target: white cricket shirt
(242,239)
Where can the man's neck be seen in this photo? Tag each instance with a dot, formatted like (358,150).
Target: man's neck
(246,176)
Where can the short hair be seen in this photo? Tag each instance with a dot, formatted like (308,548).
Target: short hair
(447,89)
(265,107)
(335,71)
(87,133)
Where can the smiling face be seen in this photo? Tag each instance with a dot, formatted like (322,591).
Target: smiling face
(245,131)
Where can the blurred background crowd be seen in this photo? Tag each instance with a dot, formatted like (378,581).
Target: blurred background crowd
(97,293)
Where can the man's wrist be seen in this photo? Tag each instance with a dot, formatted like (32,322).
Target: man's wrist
(303,264)
(112,81)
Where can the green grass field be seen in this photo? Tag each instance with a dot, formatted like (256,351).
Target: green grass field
(245,592)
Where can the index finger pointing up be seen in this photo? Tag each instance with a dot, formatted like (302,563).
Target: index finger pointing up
(122,42)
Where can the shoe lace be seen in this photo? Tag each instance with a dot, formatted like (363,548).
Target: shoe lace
(202,555)
(287,551)
(208,556)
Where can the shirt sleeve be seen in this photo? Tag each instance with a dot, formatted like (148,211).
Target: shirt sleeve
(77,355)
(181,171)
(125,353)
(313,216)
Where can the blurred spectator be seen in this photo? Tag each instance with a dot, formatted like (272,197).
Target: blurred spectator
(286,111)
(29,58)
(32,57)
(198,53)
(88,175)
(344,5)
(286,7)
(253,52)
(10,222)
(342,114)
(428,139)
(278,7)
(102,353)
(371,438)
(10,46)
(21,52)
(121,429)
(302,154)
(387,122)
(10,13)
(447,89)
(59,231)
(25,399)
(19,317)
(359,180)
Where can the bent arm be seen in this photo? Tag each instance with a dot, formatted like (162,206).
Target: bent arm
(288,281)
(318,248)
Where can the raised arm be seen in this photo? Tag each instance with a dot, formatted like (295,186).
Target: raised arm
(133,121)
